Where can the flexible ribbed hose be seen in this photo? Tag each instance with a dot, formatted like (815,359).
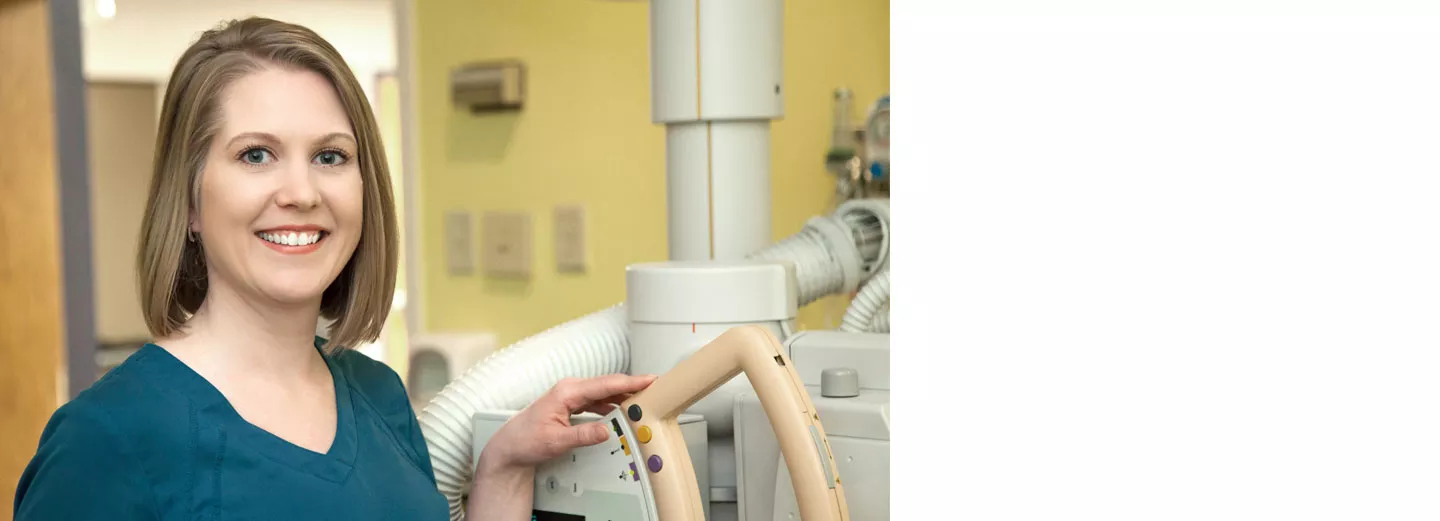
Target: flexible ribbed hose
(881,323)
(867,303)
(869,223)
(828,258)
(815,269)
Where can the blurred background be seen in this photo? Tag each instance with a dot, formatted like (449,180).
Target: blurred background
(570,181)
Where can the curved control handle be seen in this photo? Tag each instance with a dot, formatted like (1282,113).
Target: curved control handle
(654,418)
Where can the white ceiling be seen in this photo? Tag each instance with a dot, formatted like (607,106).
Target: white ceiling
(143,39)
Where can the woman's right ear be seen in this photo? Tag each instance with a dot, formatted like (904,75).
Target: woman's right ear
(193,228)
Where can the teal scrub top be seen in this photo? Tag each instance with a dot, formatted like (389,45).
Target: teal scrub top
(154,440)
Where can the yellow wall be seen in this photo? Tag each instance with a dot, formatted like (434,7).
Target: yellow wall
(585,136)
(387,115)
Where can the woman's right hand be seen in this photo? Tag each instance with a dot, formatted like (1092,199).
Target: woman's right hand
(504,477)
(542,431)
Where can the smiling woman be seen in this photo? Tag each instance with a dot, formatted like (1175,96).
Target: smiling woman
(282,176)
(270,207)
(280,153)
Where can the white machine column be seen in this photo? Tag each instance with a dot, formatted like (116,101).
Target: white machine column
(677,307)
(715,85)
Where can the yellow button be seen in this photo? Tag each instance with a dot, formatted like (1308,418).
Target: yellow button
(643,434)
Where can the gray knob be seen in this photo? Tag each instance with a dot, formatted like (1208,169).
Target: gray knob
(840,382)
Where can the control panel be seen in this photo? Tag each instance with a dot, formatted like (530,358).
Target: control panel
(605,482)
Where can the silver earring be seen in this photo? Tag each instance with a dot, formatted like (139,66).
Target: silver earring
(190,234)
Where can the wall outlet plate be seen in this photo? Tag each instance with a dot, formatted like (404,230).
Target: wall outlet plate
(570,238)
(506,244)
(460,243)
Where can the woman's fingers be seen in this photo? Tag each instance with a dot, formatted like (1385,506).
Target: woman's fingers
(601,408)
(617,399)
(600,395)
(577,394)
(584,435)
(605,406)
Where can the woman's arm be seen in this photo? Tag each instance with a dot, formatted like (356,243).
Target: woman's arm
(501,493)
(504,487)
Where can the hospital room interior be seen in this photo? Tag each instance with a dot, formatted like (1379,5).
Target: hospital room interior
(582,187)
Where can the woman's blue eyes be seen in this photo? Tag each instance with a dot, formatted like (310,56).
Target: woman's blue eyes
(255,156)
(330,158)
(260,156)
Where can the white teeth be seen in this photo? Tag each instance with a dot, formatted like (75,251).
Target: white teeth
(292,238)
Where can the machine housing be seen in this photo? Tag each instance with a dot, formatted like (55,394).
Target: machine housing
(856,418)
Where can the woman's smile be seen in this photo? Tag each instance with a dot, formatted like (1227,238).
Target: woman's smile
(293,240)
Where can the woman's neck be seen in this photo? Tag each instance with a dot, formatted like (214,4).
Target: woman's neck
(237,335)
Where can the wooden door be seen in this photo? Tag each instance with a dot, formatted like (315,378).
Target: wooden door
(42,143)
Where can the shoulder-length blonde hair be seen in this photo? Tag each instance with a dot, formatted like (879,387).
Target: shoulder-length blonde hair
(171,268)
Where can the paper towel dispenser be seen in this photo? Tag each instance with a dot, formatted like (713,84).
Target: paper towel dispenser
(488,86)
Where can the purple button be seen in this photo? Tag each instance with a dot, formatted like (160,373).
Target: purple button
(654,463)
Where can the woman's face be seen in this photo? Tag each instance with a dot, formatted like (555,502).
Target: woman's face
(281,192)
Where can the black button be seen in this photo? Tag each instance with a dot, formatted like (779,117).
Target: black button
(634,413)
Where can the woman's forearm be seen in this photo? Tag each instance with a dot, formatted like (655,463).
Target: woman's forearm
(501,493)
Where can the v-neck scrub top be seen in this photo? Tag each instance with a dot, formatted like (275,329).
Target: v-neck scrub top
(153,440)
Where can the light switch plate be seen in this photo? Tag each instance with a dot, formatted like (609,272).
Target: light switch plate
(570,238)
(460,243)
(505,244)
